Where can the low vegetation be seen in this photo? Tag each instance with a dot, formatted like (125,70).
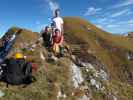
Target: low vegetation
(86,42)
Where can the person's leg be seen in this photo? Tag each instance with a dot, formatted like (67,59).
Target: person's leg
(61,51)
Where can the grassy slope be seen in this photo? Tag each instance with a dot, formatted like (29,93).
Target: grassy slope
(50,76)
(110,49)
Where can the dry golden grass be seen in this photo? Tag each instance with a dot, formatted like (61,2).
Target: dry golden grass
(51,76)
(110,49)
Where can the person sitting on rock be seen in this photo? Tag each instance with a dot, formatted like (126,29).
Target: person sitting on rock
(46,35)
(57,42)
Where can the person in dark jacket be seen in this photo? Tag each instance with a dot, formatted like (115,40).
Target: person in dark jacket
(47,37)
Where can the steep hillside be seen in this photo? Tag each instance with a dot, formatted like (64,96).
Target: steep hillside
(52,77)
(103,51)
(98,66)
(130,34)
(112,50)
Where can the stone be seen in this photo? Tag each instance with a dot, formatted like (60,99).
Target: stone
(2,94)
(76,76)
(103,75)
(60,95)
(84,97)
(114,98)
(93,82)
(42,56)
(96,84)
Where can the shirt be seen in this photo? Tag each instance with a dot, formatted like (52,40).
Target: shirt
(58,21)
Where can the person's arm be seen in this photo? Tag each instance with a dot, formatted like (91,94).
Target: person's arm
(62,29)
(61,41)
(62,24)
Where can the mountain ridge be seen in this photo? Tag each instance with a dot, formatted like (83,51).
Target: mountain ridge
(94,52)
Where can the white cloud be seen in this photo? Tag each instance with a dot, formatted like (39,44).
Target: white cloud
(41,27)
(37,22)
(100,26)
(92,11)
(101,20)
(105,20)
(38,25)
(112,26)
(130,21)
(53,5)
(125,23)
(123,4)
(122,23)
(123,12)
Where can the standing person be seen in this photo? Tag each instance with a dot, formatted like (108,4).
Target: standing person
(57,21)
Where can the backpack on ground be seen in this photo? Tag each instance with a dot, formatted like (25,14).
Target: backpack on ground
(17,71)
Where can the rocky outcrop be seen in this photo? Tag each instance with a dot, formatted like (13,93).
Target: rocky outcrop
(130,55)
(130,35)
(76,76)
(90,71)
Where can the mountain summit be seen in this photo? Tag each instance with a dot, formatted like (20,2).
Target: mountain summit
(99,66)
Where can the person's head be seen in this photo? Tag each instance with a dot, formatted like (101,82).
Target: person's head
(52,25)
(57,12)
(46,28)
(57,31)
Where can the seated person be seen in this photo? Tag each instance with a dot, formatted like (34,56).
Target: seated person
(46,35)
(57,42)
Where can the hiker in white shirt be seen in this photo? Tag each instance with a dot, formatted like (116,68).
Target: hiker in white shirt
(58,21)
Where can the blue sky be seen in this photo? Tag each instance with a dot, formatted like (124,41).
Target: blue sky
(114,16)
